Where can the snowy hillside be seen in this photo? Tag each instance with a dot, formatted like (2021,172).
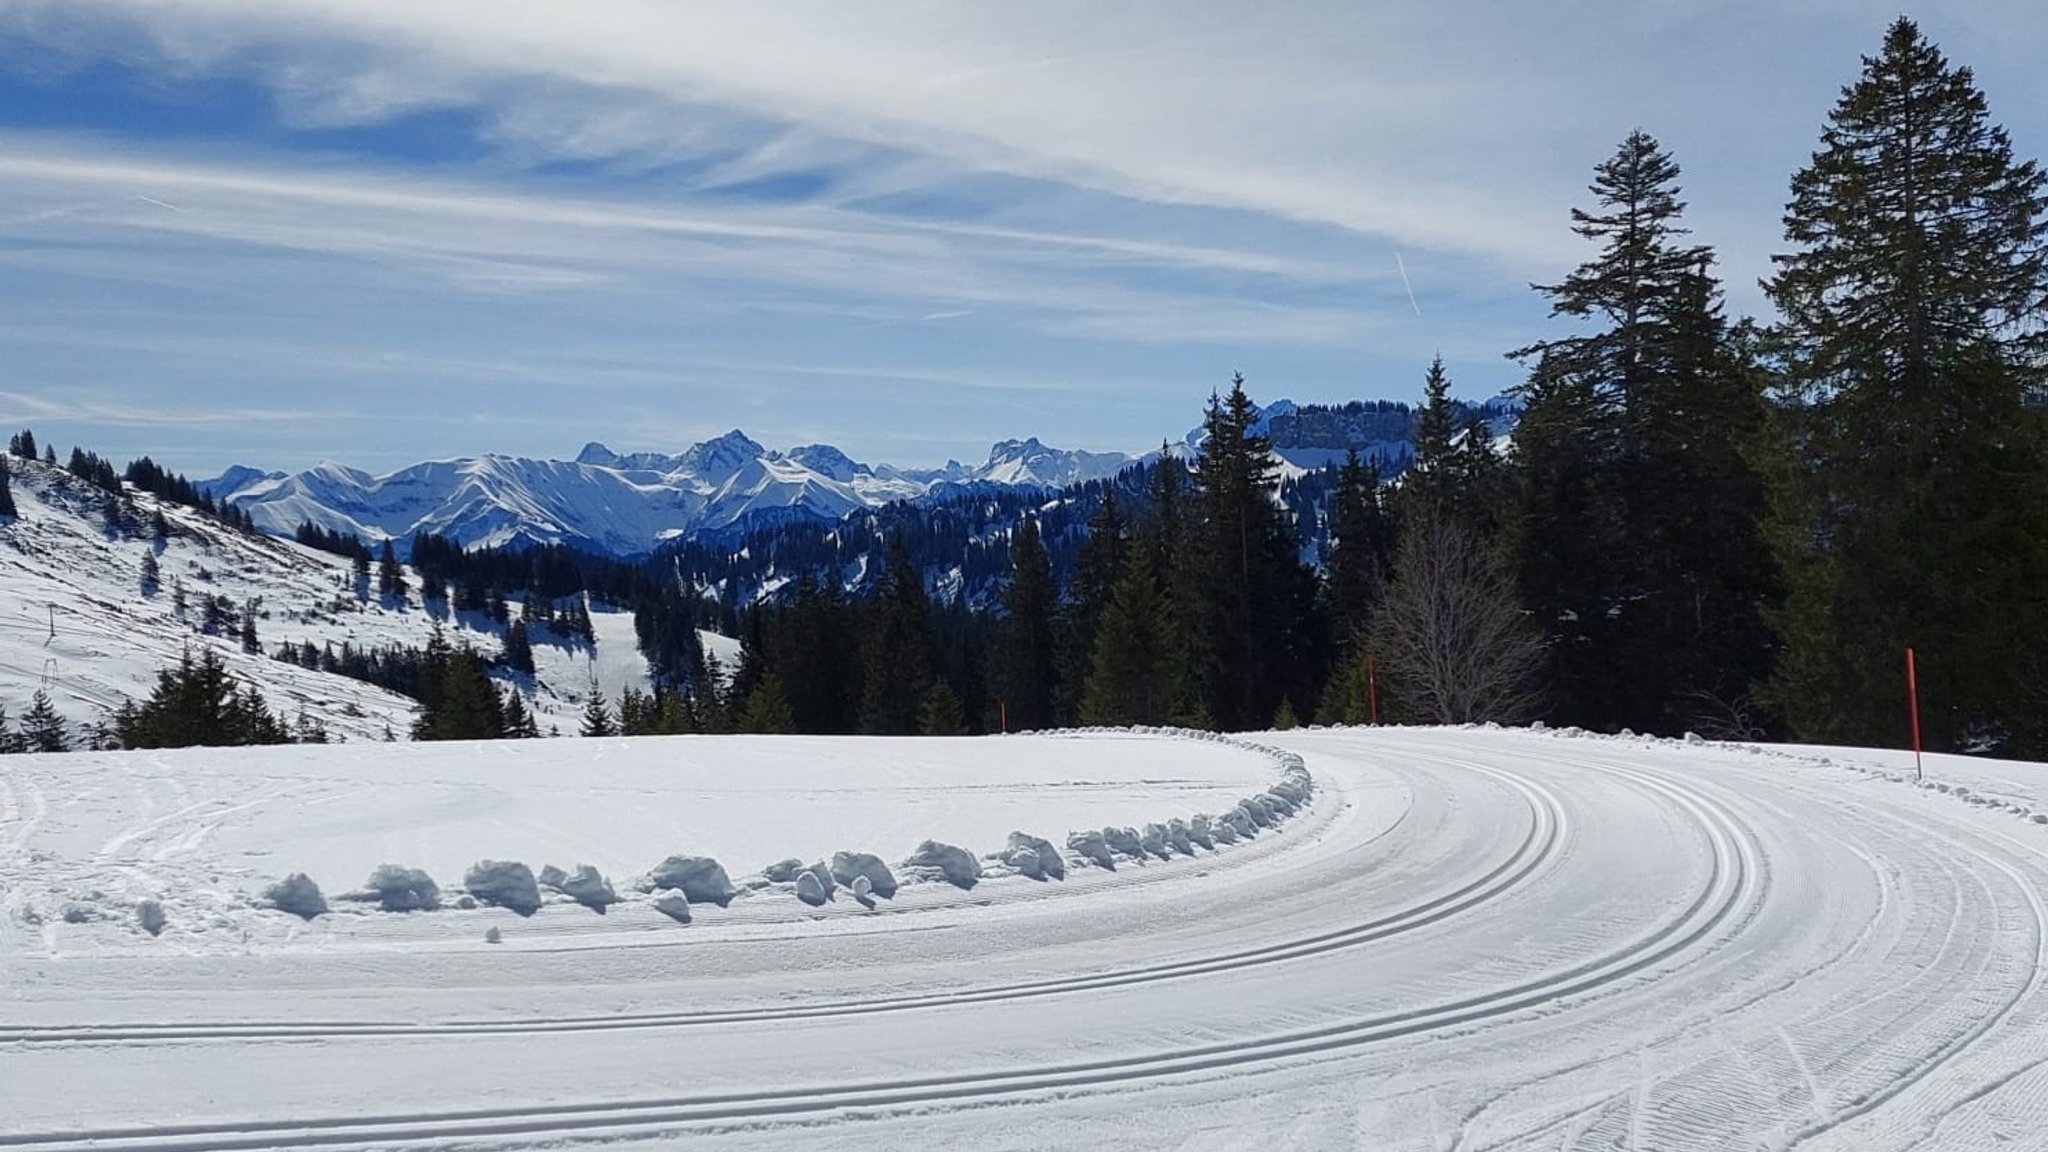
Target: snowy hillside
(1459,938)
(621,504)
(76,619)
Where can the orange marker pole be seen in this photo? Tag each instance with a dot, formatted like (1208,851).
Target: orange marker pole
(1913,712)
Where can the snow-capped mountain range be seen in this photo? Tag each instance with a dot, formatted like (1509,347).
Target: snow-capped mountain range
(624,504)
(628,504)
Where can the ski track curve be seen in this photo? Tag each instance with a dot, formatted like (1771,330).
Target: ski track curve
(1670,949)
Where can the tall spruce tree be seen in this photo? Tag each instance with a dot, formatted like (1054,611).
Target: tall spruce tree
(42,727)
(1639,534)
(7,508)
(1097,567)
(1139,673)
(902,649)
(1253,625)
(1913,301)
(390,577)
(1026,664)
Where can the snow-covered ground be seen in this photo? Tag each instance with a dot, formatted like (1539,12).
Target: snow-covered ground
(1466,939)
(76,621)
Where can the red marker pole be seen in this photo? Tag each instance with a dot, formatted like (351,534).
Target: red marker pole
(1372,689)
(1913,712)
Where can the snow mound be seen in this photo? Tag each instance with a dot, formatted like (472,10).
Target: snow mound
(493,936)
(1092,846)
(846,866)
(672,904)
(783,871)
(812,890)
(1178,836)
(700,878)
(1153,840)
(955,864)
(505,883)
(149,915)
(586,886)
(298,895)
(552,877)
(1199,832)
(864,891)
(399,889)
(1124,842)
(1035,857)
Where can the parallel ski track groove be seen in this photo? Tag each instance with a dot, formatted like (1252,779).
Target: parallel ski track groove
(1732,893)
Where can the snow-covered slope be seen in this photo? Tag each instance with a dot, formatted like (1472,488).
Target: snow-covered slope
(623,504)
(1465,939)
(76,621)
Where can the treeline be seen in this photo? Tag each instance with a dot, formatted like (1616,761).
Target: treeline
(1701,523)
(197,703)
(143,474)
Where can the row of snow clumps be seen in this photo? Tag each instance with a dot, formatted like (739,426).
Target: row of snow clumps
(679,883)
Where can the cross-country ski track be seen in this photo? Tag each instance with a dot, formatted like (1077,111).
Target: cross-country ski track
(1468,939)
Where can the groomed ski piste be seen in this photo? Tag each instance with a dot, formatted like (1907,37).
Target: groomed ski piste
(1420,939)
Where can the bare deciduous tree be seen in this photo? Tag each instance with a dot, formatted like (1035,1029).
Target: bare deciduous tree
(1454,644)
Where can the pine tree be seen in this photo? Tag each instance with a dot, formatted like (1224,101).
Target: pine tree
(939,712)
(519,721)
(1139,673)
(597,715)
(1638,531)
(390,577)
(902,650)
(7,508)
(1361,549)
(23,444)
(10,740)
(1252,624)
(1912,303)
(250,643)
(1026,664)
(768,711)
(1097,567)
(465,704)
(1430,481)
(518,649)
(152,574)
(42,727)
(198,704)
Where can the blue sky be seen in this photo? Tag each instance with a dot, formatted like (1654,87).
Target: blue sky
(380,231)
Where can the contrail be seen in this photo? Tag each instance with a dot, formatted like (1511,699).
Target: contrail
(1404,282)
(159,203)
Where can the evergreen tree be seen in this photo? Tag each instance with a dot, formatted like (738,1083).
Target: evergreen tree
(1253,623)
(518,650)
(1431,481)
(197,704)
(1361,543)
(901,649)
(597,715)
(939,712)
(768,711)
(1097,567)
(390,577)
(1139,673)
(1913,300)
(250,643)
(519,721)
(152,574)
(42,727)
(465,704)
(1638,531)
(10,740)
(23,444)
(7,508)
(1026,663)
